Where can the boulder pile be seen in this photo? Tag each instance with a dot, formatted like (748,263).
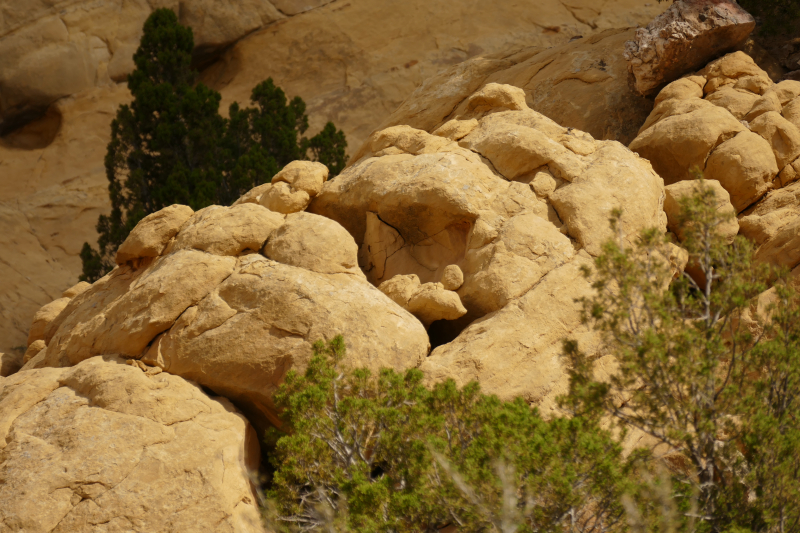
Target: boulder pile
(454,242)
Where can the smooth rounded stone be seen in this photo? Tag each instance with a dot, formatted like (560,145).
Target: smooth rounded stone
(75,290)
(738,70)
(400,288)
(124,311)
(33,350)
(153,232)
(744,166)
(791,111)
(105,443)
(677,144)
(261,322)
(44,317)
(683,189)
(315,243)
(228,230)
(683,39)
(782,135)
(453,278)
(432,302)
(282,198)
(308,176)
(684,88)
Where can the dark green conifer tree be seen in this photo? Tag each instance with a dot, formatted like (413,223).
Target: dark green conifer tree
(170,145)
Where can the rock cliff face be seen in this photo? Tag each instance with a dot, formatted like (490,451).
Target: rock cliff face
(360,60)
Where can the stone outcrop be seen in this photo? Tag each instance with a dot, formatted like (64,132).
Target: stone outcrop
(351,74)
(105,446)
(684,38)
(418,203)
(728,122)
(209,307)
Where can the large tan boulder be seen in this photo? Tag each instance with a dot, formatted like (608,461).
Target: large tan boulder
(152,234)
(681,142)
(745,166)
(684,38)
(228,230)
(211,308)
(419,204)
(262,320)
(104,443)
(124,311)
(315,243)
(683,189)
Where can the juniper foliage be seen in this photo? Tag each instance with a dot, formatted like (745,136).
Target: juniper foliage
(171,145)
(702,370)
(382,452)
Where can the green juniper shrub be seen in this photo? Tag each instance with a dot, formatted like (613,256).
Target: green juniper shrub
(383,452)
(701,371)
(171,145)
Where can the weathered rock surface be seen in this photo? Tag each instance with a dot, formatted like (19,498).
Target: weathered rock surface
(684,38)
(735,132)
(581,85)
(351,74)
(49,50)
(773,224)
(418,203)
(212,309)
(103,446)
(152,234)
(52,189)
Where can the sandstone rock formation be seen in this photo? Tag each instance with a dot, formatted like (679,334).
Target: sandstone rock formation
(727,122)
(773,224)
(684,38)
(53,185)
(105,446)
(209,307)
(513,200)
